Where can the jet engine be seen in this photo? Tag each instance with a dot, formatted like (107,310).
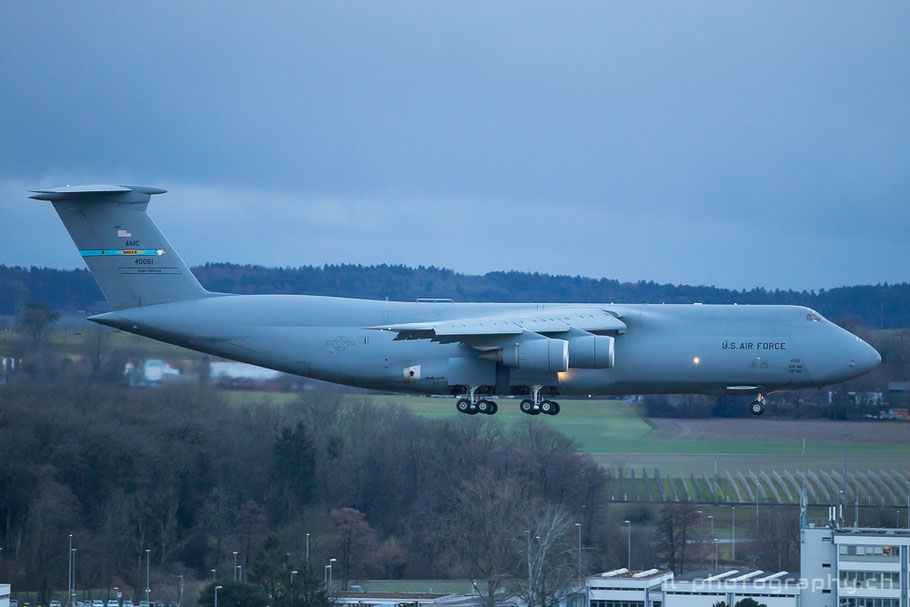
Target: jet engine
(536,355)
(591,352)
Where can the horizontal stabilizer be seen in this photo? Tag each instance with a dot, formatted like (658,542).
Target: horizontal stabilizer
(118,193)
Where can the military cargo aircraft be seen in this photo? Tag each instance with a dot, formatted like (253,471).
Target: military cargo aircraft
(473,351)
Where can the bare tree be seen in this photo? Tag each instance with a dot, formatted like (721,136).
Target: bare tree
(37,319)
(486,519)
(548,553)
(679,535)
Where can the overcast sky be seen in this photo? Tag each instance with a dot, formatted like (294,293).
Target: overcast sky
(734,144)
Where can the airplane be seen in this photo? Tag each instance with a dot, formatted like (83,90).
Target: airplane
(472,351)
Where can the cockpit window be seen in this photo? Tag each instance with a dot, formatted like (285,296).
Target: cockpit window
(812,317)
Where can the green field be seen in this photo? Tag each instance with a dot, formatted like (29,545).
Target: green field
(621,440)
(614,427)
(415,586)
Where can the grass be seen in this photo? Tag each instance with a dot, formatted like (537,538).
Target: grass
(621,440)
(413,586)
(615,428)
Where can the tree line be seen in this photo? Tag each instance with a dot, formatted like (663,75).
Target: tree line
(880,306)
(194,477)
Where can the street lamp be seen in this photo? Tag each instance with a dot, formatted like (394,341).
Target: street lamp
(240,573)
(235,565)
(293,573)
(69,573)
(578,526)
(308,548)
(325,575)
(73,592)
(330,571)
(733,545)
(147,589)
(715,554)
(629,561)
(217,588)
(213,575)
(180,599)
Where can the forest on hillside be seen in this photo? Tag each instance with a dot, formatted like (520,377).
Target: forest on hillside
(878,306)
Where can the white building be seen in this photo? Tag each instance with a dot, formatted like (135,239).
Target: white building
(703,589)
(854,567)
(624,588)
(4,595)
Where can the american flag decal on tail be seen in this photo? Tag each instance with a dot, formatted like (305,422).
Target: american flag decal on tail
(124,234)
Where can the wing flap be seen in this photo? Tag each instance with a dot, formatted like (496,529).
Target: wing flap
(537,321)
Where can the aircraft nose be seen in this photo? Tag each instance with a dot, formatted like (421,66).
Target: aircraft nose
(866,357)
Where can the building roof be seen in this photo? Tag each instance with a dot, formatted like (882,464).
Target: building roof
(409,596)
(624,573)
(743,575)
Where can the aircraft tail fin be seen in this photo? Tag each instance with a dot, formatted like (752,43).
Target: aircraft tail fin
(129,257)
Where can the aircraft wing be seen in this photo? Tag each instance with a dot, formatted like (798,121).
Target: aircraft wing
(469,330)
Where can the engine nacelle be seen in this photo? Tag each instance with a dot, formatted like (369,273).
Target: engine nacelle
(591,352)
(538,355)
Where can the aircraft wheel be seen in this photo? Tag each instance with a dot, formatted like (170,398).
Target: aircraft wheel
(555,408)
(547,407)
(527,406)
(484,406)
(535,410)
(463,405)
(493,408)
(757,407)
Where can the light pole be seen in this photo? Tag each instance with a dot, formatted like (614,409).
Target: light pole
(117,592)
(629,560)
(69,572)
(73,595)
(733,545)
(715,554)
(235,565)
(213,575)
(240,573)
(325,576)
(217,588)
(578,526)
(308,549)
(148,553)
(180,597)
(330,572)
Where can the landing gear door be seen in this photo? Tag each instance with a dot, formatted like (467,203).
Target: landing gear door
(471,371)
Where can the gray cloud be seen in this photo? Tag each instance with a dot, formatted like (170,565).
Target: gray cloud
(736,145)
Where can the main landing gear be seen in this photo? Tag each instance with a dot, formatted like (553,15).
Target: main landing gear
(758,406)
(472,405)
(536,406)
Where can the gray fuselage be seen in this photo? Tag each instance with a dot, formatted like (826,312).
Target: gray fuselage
(698,349)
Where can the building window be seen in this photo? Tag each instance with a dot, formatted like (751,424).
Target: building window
(882,580)
(867,602)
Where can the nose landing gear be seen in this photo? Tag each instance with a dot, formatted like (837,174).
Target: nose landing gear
(758,406)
